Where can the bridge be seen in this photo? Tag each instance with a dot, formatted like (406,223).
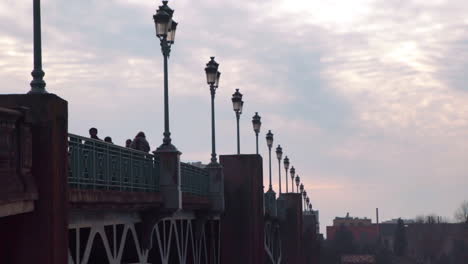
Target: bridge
(66,198)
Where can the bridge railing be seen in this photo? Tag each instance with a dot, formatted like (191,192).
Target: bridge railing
(99,165)
(194,179)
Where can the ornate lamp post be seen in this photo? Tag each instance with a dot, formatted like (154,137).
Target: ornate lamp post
(257,124)
(212,78)
(286,168)
(269,139)
(310,207)
(293,172)
(279,155)
(270,196)
(307,202)
(37,84)
(165,31)
(301,188)
(237,104)
(298,180)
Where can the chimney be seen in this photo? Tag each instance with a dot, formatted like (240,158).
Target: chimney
(377,215)
(377,221)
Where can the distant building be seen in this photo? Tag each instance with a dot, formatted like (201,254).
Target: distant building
(362,229)
(351,221)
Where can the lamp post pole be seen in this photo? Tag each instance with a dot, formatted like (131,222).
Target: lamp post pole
(238,133)
(298,179)
(256,143)
(213,133)
(37,84)
(279,155)
(238,104)
(212,77)
(166,50)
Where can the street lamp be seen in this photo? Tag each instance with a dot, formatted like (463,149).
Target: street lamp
(237,104)
(257,124)
(307,202)
(279,155)
(293,172)
(301,188)
(269,139)
(310,207)
(286,168)
(212,78)
(165,31)
(298,180)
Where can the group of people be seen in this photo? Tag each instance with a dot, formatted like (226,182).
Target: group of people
(139,142)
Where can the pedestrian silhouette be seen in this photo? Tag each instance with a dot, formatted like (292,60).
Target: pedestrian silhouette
(140,143)
(128,143)
(93,133)
(108,140)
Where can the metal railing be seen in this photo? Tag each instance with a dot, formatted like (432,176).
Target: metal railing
(98,165)
(194,179)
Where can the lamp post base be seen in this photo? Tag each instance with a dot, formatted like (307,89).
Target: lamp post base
(169,176)
(166,148)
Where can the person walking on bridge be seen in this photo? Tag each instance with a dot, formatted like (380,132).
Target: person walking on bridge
(140,143)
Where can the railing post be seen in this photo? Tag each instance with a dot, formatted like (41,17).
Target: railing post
(170,179)
(216,187)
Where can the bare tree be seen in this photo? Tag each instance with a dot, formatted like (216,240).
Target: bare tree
(430,219)
(462,212)
(420,219)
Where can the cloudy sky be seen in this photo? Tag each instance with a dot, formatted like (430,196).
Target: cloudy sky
(367,97)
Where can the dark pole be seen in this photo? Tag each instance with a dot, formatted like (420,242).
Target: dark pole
(286,178)
(213,140)
(238,136)
(269,154)
(166,49)
(279,173)
(292,185)
(37,84)
(256,140)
